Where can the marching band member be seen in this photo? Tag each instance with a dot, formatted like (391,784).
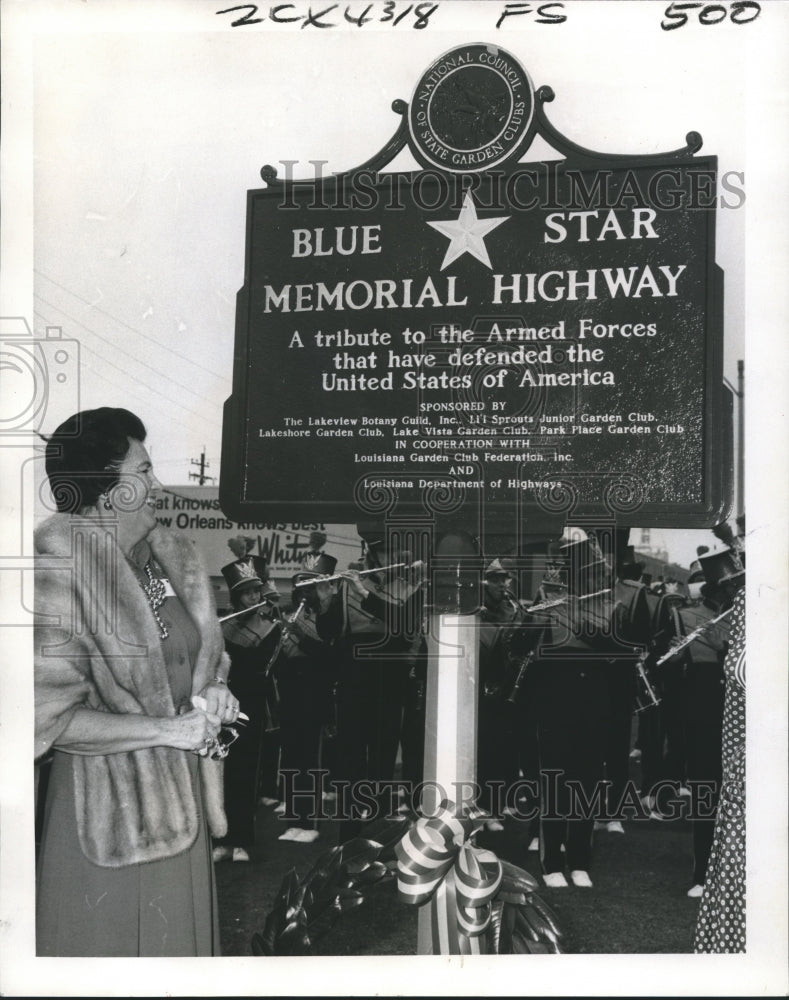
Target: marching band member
(317,541)
(250,640)
(552,589)
(497,718)
(304,676)
(660,731)
(572,695)
(412,735)
(375,621)
(632,623)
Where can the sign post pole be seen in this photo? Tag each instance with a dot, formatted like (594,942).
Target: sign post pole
(450,725)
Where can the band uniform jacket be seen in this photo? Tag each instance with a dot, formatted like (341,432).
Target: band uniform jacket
(252,641)
(388,620)
(710,646)
(508,637)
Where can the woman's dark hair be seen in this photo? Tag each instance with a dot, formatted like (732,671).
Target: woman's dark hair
(85,452)
(235,597)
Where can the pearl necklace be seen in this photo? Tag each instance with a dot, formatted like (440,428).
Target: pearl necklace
(156,594)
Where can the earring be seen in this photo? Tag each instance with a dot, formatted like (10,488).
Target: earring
(107,502)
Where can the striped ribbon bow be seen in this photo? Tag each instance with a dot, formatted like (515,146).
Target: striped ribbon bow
(434,861)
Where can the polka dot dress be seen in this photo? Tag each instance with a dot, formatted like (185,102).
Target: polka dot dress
(720,927)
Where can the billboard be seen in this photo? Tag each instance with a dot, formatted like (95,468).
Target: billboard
(195,511)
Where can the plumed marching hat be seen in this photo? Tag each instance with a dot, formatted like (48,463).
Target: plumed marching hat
(315,564)
(245,573)
(372,533)
(720,566)
(498,567)
(724,533)
(553,574)
(375,541)
(552,583)
(581,553)
(317,540)
(615,545)
(241,545)
(628,567)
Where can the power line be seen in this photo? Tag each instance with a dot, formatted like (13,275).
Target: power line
(121,322)
(143,363)
(127,376)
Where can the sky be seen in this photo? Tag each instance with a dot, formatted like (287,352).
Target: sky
(138,127)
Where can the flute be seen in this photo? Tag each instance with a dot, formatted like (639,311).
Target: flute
(691,637)
(563,600)
(243,611)
(341,576)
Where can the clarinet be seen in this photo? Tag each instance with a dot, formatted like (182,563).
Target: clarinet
(522,661)
(523,666)
(647,696)
(285,631)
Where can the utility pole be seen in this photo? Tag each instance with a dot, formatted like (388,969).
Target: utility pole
(201,476)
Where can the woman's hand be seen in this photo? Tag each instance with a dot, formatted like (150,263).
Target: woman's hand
(194,730)
(220,701)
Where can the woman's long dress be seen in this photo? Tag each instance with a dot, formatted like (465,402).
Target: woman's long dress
(720,927)
(158,909)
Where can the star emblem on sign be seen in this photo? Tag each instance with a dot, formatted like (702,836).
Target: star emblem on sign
(467,233)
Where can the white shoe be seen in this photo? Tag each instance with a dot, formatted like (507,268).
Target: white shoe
(494,825)
(329,796)
(696,891)
(534,844)
(555,880)
(265,801)
(635,754)
(239,854)
(684,792)
(306,836)
(280,809)
(508,811)
(615,826)
(292,833)
(222,854)
(581,879)
(599,825)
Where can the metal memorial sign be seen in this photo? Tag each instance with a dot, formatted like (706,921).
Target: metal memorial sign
(532,337)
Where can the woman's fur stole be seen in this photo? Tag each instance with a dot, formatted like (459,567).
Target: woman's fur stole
(97,646)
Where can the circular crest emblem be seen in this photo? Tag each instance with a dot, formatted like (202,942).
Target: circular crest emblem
(471,110)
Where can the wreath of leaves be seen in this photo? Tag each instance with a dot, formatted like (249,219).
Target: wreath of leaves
(343,877)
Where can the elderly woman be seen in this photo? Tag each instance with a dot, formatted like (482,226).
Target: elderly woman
(130,694)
